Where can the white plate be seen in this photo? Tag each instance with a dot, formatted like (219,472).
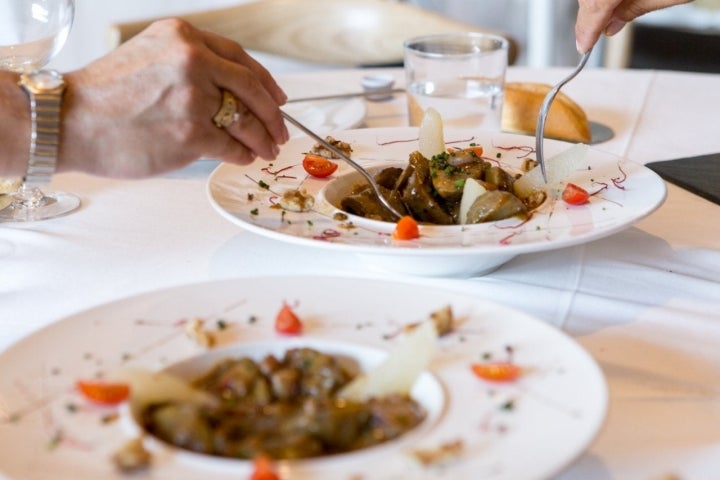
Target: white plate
(633,192)
(326,115)
(529,429)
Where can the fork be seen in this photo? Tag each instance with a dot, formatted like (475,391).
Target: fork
(545,108)
(353,163)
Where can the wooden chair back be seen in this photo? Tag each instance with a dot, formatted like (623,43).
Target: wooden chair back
(335,32)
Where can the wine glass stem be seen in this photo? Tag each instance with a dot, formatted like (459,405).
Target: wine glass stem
(29,197)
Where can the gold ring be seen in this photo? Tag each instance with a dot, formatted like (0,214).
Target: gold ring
(228,114)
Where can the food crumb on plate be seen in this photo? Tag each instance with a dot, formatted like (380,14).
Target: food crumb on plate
(441,455)
(132,457)
(297,200)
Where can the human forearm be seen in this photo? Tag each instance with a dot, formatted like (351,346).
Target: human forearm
(14,126)
(148,107)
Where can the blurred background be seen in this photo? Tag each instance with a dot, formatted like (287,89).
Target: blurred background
(685,37)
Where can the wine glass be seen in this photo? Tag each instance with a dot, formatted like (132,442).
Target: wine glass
(32,32)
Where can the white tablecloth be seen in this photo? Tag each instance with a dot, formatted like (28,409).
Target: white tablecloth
(644,302)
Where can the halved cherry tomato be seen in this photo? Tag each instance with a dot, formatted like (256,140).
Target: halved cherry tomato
(287,322)
(406,229)
(263,469)
(575,195)
(318,166)
(497,371)
(106,393)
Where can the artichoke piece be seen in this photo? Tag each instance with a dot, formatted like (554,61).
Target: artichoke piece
(180,424)
(499,177)
(364,203)
(388,177)
(496,205)
(336,422)
(418,195)
(449,181)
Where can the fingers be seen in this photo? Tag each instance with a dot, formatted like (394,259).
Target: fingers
(629,10)
(250,131)
(259,126)
(233,52)
(198,66)
(597,17)
(593,16)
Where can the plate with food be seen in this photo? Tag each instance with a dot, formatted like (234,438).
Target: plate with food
(305,198)
(273,375)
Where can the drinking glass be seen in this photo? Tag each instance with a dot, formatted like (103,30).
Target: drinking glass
(461,75)
(32,32)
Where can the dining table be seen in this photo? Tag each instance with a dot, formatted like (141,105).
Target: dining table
(644,302)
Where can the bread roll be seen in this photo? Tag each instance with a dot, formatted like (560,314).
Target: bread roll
(566,119)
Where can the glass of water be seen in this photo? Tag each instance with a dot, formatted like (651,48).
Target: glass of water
(461,75)
(32,32)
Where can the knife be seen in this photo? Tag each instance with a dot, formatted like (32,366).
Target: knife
(346,95)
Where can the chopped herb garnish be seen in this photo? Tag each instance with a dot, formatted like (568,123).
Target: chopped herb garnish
(252,319)
(262,184)
(460,183)
(254,211)
(509,405)
(55,440)
(221,324)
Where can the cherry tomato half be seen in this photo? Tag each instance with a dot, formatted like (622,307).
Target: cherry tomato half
(287,322)
(106,393)
(263,469)
(575,195)
(497,371)
(318,166)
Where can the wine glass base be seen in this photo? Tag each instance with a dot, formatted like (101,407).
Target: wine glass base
(52,205)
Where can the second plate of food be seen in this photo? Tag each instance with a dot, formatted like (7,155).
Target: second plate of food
(498,395)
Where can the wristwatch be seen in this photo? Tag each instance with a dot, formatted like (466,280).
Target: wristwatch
(45,89)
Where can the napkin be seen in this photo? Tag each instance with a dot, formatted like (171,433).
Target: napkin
(699,175)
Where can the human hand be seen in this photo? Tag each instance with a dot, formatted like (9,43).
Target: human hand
(596,17)
(147,107)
